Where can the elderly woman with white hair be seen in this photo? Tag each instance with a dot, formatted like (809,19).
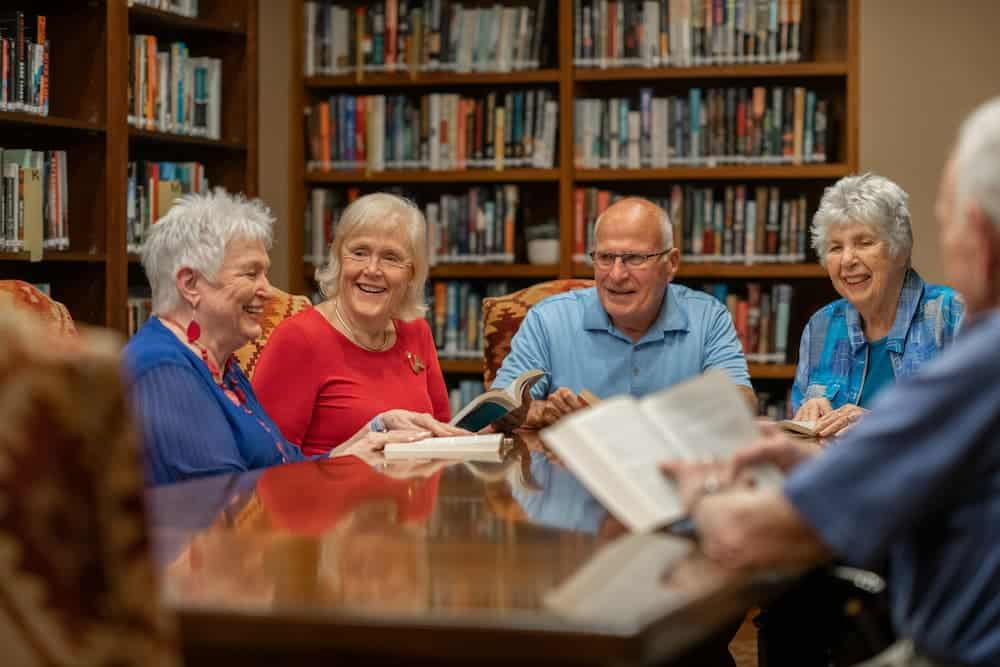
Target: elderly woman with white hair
(889,323)
(207,263)
(366,349)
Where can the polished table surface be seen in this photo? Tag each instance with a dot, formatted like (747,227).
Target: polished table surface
(464,560)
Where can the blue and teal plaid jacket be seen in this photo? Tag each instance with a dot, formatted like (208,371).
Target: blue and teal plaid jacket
(833,351)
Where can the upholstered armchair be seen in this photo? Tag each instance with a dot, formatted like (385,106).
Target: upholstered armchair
(502,316)
(77,584)
(25,296)
(281,305)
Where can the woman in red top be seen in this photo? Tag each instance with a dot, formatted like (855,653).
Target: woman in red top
(366,349)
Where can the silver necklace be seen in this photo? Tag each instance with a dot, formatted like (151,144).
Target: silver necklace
(354,338)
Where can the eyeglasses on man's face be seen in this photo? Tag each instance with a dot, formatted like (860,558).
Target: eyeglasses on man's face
(390,260)
(632,260)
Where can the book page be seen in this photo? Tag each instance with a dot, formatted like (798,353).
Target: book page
(704,418)
(614,450)
(805,428)
(621,585)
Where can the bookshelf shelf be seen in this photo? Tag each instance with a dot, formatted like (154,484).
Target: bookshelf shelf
(148,17)
(432,79)
(56,256)
(772,371)
(732,271)
(720,173)
(463,366)
(415,176)
(770,71)
(28,119)
(500,271)
(149,136)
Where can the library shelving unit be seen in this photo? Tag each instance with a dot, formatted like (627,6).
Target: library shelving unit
(831,68)
(88,93)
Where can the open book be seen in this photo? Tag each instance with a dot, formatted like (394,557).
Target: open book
(505,408)
(806,428)
(614,447)
(622,584)
(489,448)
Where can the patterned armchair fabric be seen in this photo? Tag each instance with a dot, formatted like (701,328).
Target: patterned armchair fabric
(502,316)
(26,296)
(76,580)
(280,306)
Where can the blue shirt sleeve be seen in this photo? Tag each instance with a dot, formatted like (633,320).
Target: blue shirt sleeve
(184,432)
(906,460)
(723,349)
(802,371)
(528,349)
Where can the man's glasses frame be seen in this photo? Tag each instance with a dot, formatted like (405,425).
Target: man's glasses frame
(632,260)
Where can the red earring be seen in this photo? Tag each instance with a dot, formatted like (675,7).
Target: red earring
(193,331)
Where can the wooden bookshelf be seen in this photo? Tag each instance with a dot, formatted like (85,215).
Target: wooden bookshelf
(88,94)
(832,68)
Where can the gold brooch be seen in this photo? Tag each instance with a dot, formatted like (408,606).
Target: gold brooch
(416,363)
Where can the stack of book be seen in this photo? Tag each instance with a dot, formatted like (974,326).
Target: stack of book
(188,8)
(171,91)
(455,316)
(761,319)
(152,189)
(439,131)
(736,224)
(34,203)
(24,63)
(433,35)
(685,33)
(759,125)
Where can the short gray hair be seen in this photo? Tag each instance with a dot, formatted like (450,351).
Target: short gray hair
(381,213)
(194,233)
(666,229)
(869,199)
(977,165)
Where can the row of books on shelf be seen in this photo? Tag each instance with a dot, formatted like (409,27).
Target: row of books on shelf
(740,224)
(188,8)
(477,226)
(455,316)
(151,191)
(24,63)
(684,33)
(761,316)
(438,131)
(140,308)
(774,405)
(423,35)
(33,208)
(171,91)
(780,125)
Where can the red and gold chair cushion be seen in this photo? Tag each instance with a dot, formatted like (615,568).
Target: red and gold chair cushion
(77,585)
(280,306)
(502,317)
(25,296)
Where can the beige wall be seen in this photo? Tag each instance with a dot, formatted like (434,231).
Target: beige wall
(917,81)
(924,65)
(275,67)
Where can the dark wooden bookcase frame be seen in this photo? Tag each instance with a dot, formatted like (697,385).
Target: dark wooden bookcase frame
(88,102)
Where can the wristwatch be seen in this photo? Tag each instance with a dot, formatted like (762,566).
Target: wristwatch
(377,425)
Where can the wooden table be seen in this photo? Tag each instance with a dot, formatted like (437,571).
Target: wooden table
(374,561)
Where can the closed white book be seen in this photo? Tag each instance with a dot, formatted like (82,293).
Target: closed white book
(489,447)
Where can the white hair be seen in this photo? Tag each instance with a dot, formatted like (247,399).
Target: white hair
(869,199)
(194,234)
(977,163)
(381,214)
(666,229)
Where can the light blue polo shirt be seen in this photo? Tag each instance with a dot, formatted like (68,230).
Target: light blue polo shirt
(572,339)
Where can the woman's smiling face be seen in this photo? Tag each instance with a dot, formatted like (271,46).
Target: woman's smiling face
(375,273)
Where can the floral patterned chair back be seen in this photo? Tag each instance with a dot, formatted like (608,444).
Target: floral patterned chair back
(502,317)
(281,305)
(25,296)
(77,580)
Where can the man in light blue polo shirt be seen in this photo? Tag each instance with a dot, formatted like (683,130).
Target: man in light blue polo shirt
(633,332)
